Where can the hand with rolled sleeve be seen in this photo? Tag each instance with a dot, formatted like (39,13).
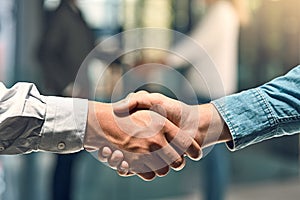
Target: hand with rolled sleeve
(33,122)
(240,120)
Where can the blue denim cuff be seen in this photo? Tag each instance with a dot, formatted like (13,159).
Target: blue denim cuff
(248,117)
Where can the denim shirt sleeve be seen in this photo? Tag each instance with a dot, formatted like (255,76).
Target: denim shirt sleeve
(271,110)
(33,122)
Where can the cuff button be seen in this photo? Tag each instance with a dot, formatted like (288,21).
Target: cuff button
(61,146)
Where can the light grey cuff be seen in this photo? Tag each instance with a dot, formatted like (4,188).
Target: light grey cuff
(65,123)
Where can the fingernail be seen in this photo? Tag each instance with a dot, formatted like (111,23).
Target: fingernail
(124,165)
(106,152)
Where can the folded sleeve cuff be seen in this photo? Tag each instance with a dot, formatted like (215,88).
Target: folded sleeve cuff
(248,117)
(65,123)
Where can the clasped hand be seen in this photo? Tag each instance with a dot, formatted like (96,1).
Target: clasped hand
(144,134)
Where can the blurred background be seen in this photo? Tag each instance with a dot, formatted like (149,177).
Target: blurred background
(268,45)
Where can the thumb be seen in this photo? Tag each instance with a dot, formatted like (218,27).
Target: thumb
(131,102)
(123,106)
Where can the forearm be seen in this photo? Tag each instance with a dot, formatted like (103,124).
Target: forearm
(258,114)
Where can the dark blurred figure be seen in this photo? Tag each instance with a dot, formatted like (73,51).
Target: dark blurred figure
(66,43)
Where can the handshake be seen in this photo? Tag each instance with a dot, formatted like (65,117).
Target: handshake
(146,134)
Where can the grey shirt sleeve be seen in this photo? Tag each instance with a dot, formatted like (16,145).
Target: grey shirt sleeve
(32,122)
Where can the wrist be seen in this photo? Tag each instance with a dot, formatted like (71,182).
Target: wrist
(94,132)
(212,128)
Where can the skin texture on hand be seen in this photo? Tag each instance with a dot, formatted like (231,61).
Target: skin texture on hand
(202,122)
(143,143)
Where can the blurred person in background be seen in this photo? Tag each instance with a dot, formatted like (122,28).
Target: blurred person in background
(218,34)
(66,43)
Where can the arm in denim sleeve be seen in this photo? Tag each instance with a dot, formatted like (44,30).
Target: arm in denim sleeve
(32,122)
(271,110)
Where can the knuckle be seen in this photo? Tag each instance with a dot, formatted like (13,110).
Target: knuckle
(142,92)
(130,96)
(157,96)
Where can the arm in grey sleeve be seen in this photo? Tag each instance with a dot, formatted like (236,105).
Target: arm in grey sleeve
(32,122)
